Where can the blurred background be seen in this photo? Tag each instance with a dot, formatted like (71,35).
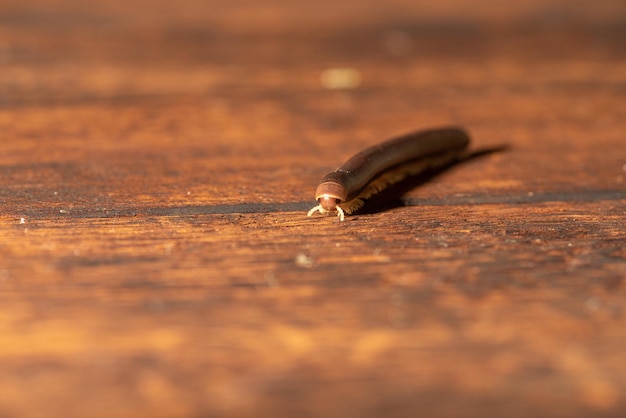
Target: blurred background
(99,49)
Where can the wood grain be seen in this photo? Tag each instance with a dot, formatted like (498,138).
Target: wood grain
(157,160)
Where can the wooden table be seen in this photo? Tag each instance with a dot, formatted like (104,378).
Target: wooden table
(157,160)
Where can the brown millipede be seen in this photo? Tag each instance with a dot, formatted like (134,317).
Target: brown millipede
(376,168)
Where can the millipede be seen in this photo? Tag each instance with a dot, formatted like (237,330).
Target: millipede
(379,167)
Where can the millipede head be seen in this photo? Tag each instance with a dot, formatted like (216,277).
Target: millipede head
(330,194)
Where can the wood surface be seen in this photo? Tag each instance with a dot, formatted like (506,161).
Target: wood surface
(157,160)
